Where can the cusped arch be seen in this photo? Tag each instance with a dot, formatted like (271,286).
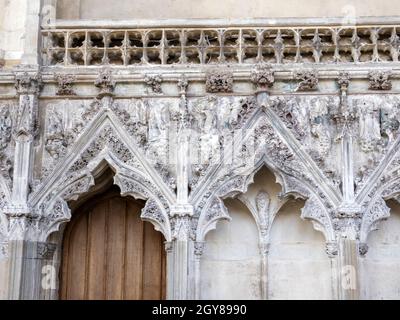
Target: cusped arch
(375,208)
(213,210)
(55,212)
(104,142)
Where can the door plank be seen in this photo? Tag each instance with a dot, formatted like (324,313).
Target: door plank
(134,253)
(109,253)
(77,261)
(115,249)
(96,274)
(152,261)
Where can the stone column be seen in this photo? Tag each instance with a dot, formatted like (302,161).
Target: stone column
(32,274)
(28,85)
(264,249)
(332,252)
(182,212)
(348,267)
(198,253)
(349,212)
(4,270)
(170,271)
(181,217)
(24,250)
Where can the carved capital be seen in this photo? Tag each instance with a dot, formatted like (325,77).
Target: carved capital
(23,224)
(181,228)
(265,247)
(332,249)
(363,248)
(4,250)
(199,248)
(45,250)
(169,247)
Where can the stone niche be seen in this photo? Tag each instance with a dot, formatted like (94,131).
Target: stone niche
(228,9)
(380,278)
(297,264)
(231,263)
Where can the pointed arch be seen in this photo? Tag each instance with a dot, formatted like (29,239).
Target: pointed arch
(267,141)
(212,208)
(54,210)
(375,208)
(103,143)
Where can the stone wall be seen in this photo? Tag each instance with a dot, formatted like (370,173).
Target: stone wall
(267,156)
(12,29)
(380,279)
(227,9)
(231,265)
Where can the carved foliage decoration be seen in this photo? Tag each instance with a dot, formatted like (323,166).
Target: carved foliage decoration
(315,211)
(65,83)
(275,154)
(105,82)
(380,80)
(376,212)
(156,209)
(308,80)
(263,76)
(5,127)
(107,139)
(219,80)
(5,139)
(216,211)
(28,83)
(3,226)
(107,145)
(154,83)
(56,142)
(152,213)
(52,216)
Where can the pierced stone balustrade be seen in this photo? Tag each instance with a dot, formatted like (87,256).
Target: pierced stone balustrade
(203,46)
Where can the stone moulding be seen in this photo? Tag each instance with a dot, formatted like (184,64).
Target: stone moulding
(233,45)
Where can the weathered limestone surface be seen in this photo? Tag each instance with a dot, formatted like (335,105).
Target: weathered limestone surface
(12,30)
(232,259)
(203,9)
(379,279)
(266,153)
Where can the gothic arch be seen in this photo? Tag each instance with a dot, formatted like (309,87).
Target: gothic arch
(74,176)
(376,209)
(213,209)
(55,211)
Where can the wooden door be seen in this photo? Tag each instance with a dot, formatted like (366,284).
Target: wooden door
(109,253)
